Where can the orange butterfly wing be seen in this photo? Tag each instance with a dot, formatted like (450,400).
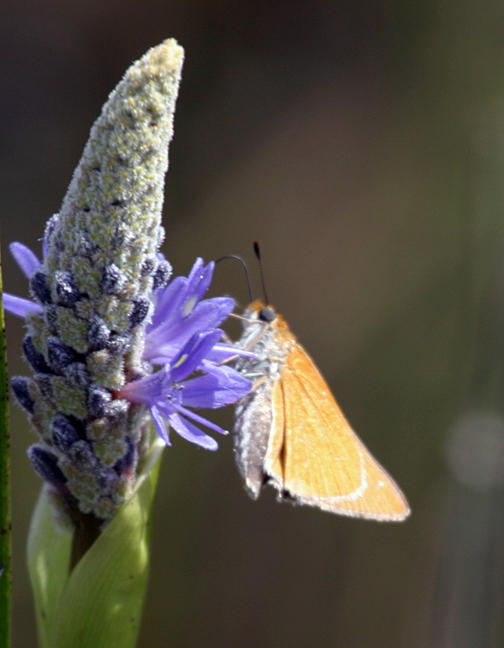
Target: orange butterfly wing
(316,457)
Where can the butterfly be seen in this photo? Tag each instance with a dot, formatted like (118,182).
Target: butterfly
(289,431)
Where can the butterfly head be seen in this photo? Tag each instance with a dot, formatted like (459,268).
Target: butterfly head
(260,311)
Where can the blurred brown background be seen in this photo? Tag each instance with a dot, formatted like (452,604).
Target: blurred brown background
(363,144)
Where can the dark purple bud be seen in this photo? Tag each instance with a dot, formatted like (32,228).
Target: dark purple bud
(147,267)
(117,343)
(21,391)
(140,311)
(162,274)
(34,357)
(59,355)
(40,289)
(81,454)
(64,434)
(127,463)
(45,465)
(112,280)
(98,333)
(44,384)
(66,290)
(98,399)
(77,372)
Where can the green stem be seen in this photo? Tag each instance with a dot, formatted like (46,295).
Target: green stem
(5,520)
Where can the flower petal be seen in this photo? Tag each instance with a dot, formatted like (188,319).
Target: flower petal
(149,389)
(164,341)
(217,390)
(168,299)
(191,433)
(25,258)
(181,295)
(193,353)
(200,419)
(160,425)
(199,280)
(19,306)
(207,314)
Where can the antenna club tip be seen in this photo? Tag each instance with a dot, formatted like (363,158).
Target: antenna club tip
(256,249)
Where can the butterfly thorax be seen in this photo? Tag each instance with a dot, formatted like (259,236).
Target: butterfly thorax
(270,341)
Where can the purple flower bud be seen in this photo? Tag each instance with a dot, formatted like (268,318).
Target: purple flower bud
(44,384)
(98,399)
(60,355)
(40,289)
(21,391)
(78,373)
(66,289)
(140,311)
(148,267)
(45,465)
(34,357)
(63,433)
(98,333)
(112,280)
(162,274)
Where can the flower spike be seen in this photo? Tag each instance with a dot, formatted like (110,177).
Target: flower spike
(111,341)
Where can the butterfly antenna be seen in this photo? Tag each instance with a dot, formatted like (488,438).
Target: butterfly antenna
(245,269)
(257,252)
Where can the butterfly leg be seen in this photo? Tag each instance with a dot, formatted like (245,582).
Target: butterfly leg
(250,344)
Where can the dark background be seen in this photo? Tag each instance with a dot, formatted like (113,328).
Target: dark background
(363,144)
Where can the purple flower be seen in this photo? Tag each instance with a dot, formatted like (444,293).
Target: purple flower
(180,312)
(169,392)
(183,338)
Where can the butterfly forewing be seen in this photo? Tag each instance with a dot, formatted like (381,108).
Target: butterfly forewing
(324,462)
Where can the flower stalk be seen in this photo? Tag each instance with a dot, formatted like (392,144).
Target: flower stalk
(5,517)
(118,353)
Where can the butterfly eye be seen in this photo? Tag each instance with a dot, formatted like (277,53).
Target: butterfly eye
(267,314)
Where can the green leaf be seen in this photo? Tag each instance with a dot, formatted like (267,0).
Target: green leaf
(5,521)
(100,603)
(48,563)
